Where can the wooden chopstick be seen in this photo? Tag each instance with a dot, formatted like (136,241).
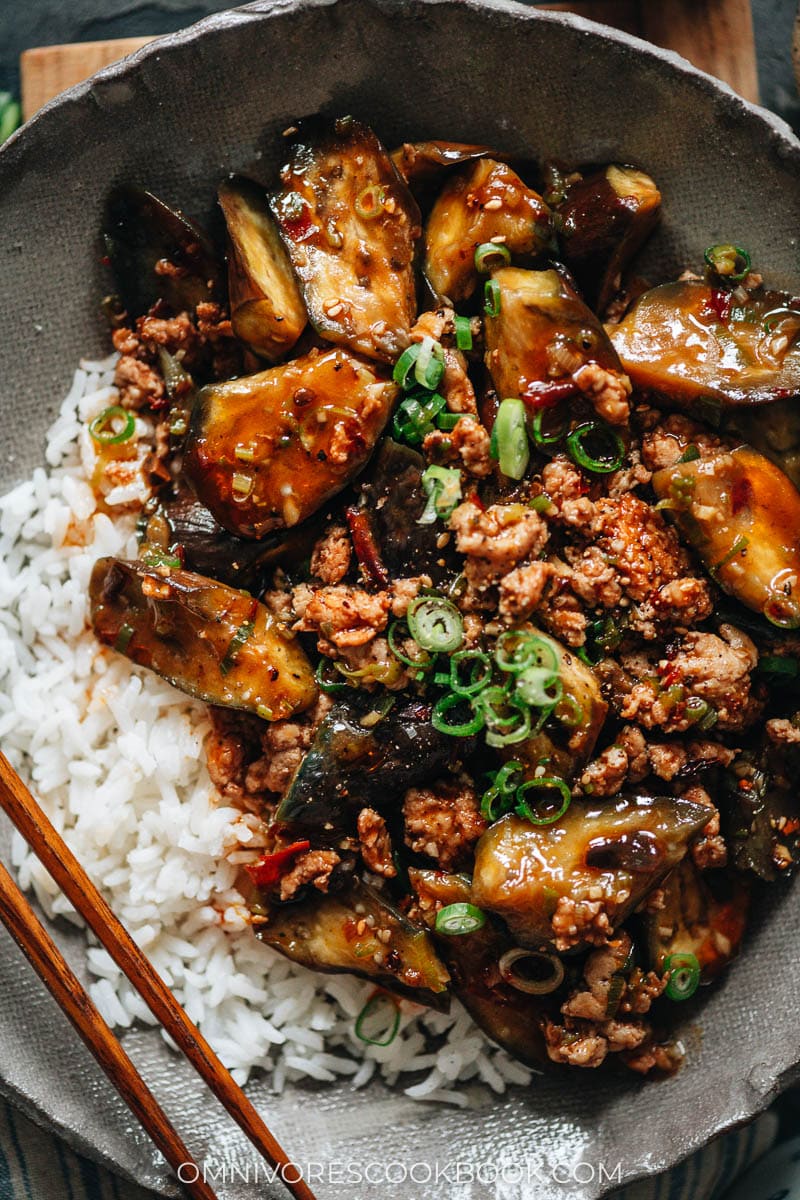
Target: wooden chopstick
(57,858)
(51,966)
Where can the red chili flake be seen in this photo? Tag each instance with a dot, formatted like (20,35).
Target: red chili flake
(366,547)
(297,228)
(745,785)
(546,395)
(268,870)
(669,674)
(717,305)
(741,494)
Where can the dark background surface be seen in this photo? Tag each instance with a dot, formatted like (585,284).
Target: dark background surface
(26,23)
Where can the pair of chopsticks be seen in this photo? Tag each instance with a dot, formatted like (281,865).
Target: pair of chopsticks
(49,963)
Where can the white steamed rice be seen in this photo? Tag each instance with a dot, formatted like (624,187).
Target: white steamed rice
(114,755)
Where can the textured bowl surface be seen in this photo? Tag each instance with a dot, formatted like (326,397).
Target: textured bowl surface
(175,118)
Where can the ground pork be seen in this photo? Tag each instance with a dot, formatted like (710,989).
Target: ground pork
(467,444)
(581,920)
(376,845)
(495,541)
(340,615)
(584,1044)
(606,775)
(566,488)
(314,868)
(607,391)
(330,559)
(443,821)
(708,849)
(630,759)
(780,730)
(663,445)
(521,591)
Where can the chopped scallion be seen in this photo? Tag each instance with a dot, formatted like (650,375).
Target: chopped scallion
(457,919)
(442,486)
(463,333)
(491,298)
(243,633)
(113,426)
(379,1020)
(684,975)
(491,255)
(541,815)
(511,439)
(611,447)
(435,624)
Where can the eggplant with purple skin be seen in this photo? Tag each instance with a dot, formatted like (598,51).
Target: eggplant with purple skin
(510,1017)
(605,218)
(704,914)
(266,451)
(157,254)
(486,200)
(544,344)
(267,310)
(322,932)
(421,163)
(742,516)
(209,640)
(350,225)
(368,751)
(613,853)
(691,344)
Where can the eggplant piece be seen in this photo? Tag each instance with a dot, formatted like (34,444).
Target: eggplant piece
(624,847)
(703,914)
(605,218)
(542,340)
(356,760)
(482,202)
(565,744)
(322,933)
(761,812)
(773,430)
(420,163)
(511,1018)
(209,640)
(349,224)
(156,253)
(690,344)
(267,310)
(742,516)
(395,499)
(266,451)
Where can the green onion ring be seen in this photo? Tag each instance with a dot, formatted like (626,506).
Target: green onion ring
(405,364)
(598,466)
(491,298)
(370,202)
(103,432)
(448,421)
(781,611)
(530,650)
(478,662)
(435,624)
(511,438)
(724,259)
(421,664)
(328,686)
(546,439)
(574,715)
(684,975)
(463,330)
(429,365)
(489,256)
(415,417)
(546,783)
(539,687)
(372,1006)
(502,787)
(466,728)
(457,919)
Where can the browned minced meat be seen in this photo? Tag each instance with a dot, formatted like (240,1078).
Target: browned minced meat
(584,919)
(664,444)
(566,487)
(313,867)
(330,559)
(590,1002)
(466,444)
(708,849)
(376,845)
(781,730)
(443,821)
(713,668)
(495,541)
(607,390)
(340,615)
(631,759)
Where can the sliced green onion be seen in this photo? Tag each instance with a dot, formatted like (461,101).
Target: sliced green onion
(507,719)
(511,439)
(539,687)
(480,672)
(244,452)
(729,261)
(690,454)
(491,298)
(415,417)
(370,202)
(570,712)
(538,434)
(265,713)
(516,650)
(541,503)
(466,728)
(738,547)
(782,611)
(448,420)
(457,919)
(491,255)
(534,987)
(684,975)
(404,367)
(241,484)
(442,486)
(429,367)
(463,333)
(10,115)
(547,783)
(123,638)
(435,624)
(421,664)
(331,687)
(700,713)
(103,428)
(503,787)
(245,631)
(376,1007)
(160,558)
(614,445)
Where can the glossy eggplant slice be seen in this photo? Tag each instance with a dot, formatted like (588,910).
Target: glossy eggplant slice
(509,1017)
(484,201)
(322,933)
(704,915)
(266,451)
(211,641)
(267,310)
(761,818)
(421,162)
(545,343)
(742,516)
(565,744)
(350,224)
(605,218)
(624,848)
(156,253)
(360,757)
(690,343)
